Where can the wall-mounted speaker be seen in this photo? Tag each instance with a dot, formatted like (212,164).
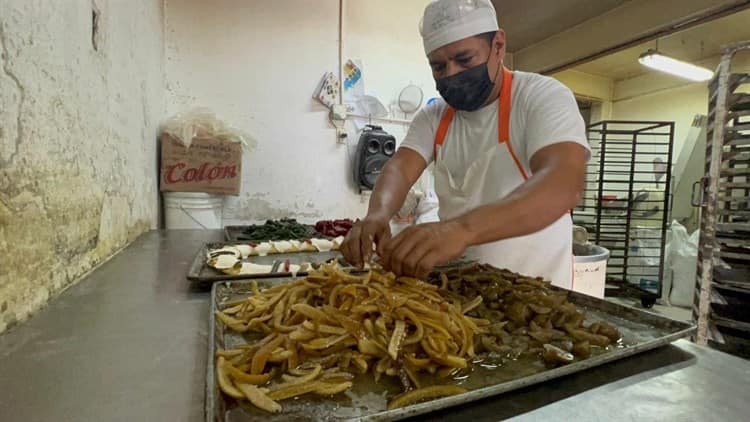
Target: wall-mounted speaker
(374,149)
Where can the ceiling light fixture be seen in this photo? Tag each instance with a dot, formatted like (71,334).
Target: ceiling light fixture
(657,61)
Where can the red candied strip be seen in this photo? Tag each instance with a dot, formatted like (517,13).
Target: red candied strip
(334,228)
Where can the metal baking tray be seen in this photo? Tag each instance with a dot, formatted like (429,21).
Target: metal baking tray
(734,276)
(641,331)
(233,233)
(203,275)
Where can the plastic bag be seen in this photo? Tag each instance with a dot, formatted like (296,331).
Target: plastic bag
(420,206)
(643,262)
(410,204)
(428,207)
(667,276)
(684,263)
(203,123)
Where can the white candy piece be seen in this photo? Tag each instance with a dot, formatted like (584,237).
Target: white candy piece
(282,246)
(306,247)
(294,269)
(263,249)
(322,245)
(226,250)
(224,262)
(296,245)
(250,268)
(245,250)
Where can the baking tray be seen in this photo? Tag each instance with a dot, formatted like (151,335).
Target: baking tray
(641,331)
(203,275)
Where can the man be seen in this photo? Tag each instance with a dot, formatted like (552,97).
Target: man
(509,150)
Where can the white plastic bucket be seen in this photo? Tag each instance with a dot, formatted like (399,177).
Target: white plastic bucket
(589,269)
(192,210)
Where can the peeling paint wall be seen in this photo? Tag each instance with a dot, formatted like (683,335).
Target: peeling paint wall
(257,63)
(81,95)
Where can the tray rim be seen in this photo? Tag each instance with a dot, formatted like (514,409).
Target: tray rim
(686,328)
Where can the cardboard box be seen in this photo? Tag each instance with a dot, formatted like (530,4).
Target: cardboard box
(208,165)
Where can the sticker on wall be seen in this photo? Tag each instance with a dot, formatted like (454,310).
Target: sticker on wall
(354,81)
(328,90)
(352,75)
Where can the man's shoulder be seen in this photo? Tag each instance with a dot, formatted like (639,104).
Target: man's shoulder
(434,107)
(428,116)
(530,80)
(534,83)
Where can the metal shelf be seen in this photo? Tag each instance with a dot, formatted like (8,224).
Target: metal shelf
(722,295)
(623,161)
(739,276)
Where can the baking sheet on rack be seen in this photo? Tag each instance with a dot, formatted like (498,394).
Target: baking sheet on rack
(233,233)
(201,273)
(366,400)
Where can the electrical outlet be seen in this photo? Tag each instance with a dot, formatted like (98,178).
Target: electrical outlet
(338,120)
(338,112)
(342,137)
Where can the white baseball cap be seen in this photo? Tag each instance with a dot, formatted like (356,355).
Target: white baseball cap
(447,21)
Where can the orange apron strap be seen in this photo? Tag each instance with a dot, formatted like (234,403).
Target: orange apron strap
(505,104)
(506,98)
(442,130)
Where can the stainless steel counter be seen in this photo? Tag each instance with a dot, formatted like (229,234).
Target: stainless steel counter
(128,343)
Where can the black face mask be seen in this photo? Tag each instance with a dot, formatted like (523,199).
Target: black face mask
(467,90)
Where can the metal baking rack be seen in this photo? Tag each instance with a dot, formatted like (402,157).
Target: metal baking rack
(722,299)
(626,202)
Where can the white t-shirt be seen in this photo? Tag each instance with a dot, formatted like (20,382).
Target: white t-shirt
(543,112)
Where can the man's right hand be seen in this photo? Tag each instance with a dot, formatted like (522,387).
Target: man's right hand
(395,180)
(358,245)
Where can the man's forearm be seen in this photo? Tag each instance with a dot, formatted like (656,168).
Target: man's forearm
(536,204)
(389,193)
(397,177)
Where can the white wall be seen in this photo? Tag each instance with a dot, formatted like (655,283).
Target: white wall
(659,96)
(385,36)
(586,86)
(257,63)
(77,140)
(679,105)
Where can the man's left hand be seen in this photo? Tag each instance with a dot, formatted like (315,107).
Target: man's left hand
(418,249)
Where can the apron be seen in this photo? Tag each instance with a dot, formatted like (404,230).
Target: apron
(546,253)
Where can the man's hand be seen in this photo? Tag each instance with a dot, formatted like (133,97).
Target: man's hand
(416,250)
(391,188)
(357,247)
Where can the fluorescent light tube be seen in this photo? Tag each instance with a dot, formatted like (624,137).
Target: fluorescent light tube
(662,63)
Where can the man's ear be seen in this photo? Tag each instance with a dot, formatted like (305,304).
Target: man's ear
(498,43)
